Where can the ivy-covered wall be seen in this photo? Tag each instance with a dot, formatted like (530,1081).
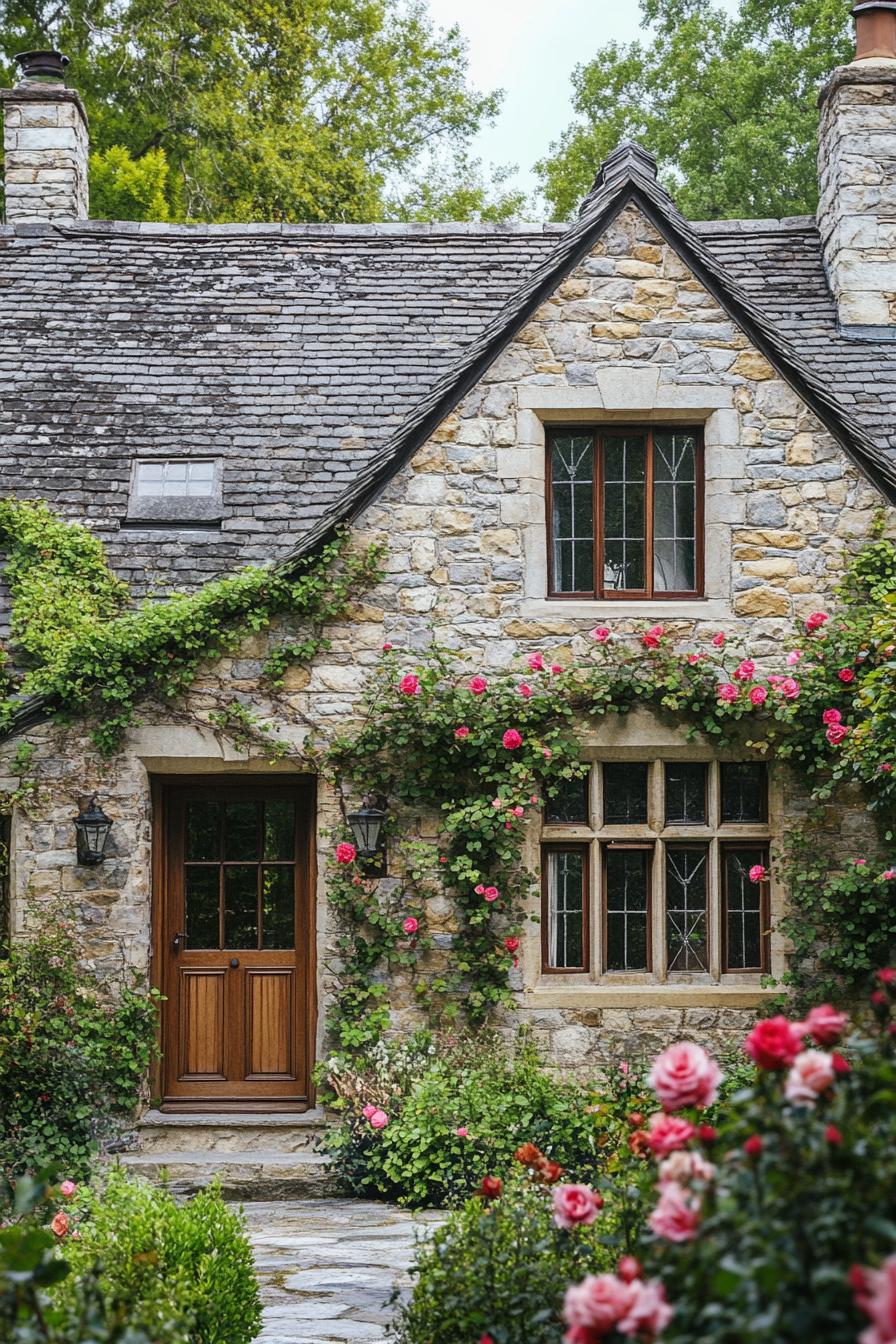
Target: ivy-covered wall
(630,336)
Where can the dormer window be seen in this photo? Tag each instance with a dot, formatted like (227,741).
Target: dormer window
(174,479)
(625,512)
(175,492)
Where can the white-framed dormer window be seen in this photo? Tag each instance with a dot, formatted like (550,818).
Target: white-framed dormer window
(174,479)
(178,491)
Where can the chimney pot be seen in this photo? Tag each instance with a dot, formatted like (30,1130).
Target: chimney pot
(45,143)
(875,29)
(40,66)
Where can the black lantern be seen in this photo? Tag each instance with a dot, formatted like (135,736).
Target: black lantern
(367,828)
(92,828)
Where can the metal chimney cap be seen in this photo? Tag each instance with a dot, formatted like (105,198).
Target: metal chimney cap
(48,66)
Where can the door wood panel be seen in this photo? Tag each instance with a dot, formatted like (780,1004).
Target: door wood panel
(233,883)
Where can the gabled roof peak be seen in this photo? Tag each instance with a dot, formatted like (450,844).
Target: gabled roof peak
(629,162)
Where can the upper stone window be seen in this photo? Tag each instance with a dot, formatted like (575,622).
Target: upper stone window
(625,511)
(179,492)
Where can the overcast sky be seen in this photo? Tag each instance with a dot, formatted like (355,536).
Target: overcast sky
(529,48)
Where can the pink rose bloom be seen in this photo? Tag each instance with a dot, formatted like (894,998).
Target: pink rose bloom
(677,1213)
(575,1205)
(758,873)
(831,716)
(774,1043)
(60,1224)
(667,1133)
(816,621)
(546,753)
(410,925)
(387,648)
(744,671)
(693,659)
(409,684)
(649,1314)
(789,688)
(379,1120)
(825,1025)
(846,675)
(556,669)
(600,633)
(518,811)
(651,640)
(462,1132)
(67,1189)
(719,640)
(727,692)
(876,1297)
(512,739)
(462,732)
(524,690)
(836,733)
(480,890)
(889,873)
(491,894)
(793,657)
(758,695)
(369,1110)
(478,685)
(598,1302)
(496,802)
(685,1075)
(811,1074)
(535,662)
(346,853)
(682,1168)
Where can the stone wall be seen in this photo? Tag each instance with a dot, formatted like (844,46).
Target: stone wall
(46,150)
(630,336)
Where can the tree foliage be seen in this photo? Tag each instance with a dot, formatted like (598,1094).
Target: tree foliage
(288,110)
(728,104)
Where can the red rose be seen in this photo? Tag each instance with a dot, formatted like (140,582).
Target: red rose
(512,739)
(774,1043)
(832,1135)
(753,1145)
(512,944)
(708,1133)
(346,853)
(491,1187)
(846,675)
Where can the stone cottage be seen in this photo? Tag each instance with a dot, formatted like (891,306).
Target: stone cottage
(630,418)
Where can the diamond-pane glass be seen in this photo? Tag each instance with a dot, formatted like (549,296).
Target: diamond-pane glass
(744,791)
(674,513)
(571,803)
(686,890)
(685,793)
(572,518)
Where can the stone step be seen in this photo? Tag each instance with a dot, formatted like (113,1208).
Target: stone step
(244,1175)
(160,1132)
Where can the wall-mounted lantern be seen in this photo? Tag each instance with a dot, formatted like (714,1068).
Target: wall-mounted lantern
(367,828)
(92,828)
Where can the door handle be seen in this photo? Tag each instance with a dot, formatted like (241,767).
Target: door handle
(177,940)
(234,961)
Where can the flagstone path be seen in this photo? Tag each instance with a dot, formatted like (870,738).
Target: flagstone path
(327,1268)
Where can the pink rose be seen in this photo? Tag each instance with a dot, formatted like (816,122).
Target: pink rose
(461,732)
(345,852)
(846,675)
(600,633)
(379,1120)
(816,621)
(727,692)
(369,1110)
(836,733)
(410,925)
(758,873)
(512,739)
(889,873)
(693,659)
(387,648)
(535,662)
(556,669)
(518,811)
(811,1074)
(649,1314)
(524,690)
(825,1025)
(682,1168)
(793,657)
(685,1075)
(478,685)
(875,1295)
(831,716)
(719,640)
(744,671)
(480,890)
(67,1189)
(651,640)
(491,894)
(758,695)
(496,802)
(575,1205)
(60,1224)
(598,1302)
(666,1133)
(462,1132)
(409,684)
(774,1043)
(677,1213)
(789,688)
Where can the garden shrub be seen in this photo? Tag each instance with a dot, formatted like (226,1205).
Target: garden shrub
(454,1112)
(72,1060)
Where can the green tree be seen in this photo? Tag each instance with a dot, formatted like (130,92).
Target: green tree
(726,103)
(264,109)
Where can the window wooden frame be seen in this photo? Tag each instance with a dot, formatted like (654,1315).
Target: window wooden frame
(560,847)
(764,907)
(649,848)
(649,593)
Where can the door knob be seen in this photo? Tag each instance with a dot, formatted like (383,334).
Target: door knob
(234,961)
(177,940)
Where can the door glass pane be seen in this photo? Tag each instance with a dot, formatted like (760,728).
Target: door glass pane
(203,839)
(572,513)
(625,793)
(241,905)
(744,791)
(625,485)
(743,908)
(686,871)
(201,888)
(674,513)
(566,916)
(627,876)
(280,829)
(278,906)
(571,803)
(685,793)
(241,831)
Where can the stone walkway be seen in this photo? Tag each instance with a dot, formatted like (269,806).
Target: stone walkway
(327,1267)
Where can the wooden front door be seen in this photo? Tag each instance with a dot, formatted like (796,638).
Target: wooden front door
(234,936)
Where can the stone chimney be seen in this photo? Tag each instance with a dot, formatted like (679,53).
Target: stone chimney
(45,143)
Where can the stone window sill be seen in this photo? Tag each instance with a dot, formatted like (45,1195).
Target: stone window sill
(650,996)
(701,609)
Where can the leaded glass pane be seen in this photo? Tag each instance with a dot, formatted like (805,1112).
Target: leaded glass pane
(279,829)
(241,831)
(743,908)
(674,513)
(572,518)
(625,793)
(278,906)
(241,905)
(685,793)
(686,923)
(627,877)
(203,839)
(201,888)
(570,806)
(624,511)
(744,791)
(566,913)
